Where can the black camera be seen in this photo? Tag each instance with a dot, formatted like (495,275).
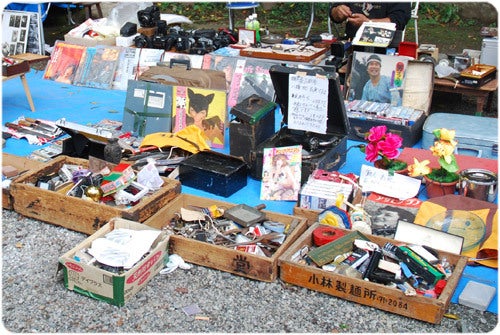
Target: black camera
(149,16)
(142,41)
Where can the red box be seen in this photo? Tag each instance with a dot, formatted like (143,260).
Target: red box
(408,49)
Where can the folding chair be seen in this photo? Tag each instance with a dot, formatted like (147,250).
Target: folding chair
(232,6)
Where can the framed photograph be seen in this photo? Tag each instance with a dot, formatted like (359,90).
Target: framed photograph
(15,25)
(246,36)
(378,78)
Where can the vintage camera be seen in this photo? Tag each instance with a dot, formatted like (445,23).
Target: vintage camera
(142,41)
(201,46)
(149,16)
(224,38)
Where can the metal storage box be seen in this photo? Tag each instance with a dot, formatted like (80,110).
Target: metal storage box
(477,136)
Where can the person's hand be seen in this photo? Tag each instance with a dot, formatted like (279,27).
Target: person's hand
(357,19)
(341,13)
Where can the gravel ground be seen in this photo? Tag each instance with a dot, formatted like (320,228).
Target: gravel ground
(35,300)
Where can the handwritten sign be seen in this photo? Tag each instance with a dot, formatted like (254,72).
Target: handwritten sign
(308,103)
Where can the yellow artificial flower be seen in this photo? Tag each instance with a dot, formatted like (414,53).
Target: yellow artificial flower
(447,134)
(419,168)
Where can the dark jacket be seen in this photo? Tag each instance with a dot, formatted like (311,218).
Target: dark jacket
(398,12)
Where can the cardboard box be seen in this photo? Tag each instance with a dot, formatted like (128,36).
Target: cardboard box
(114,288)
(89,42)
(219,257)
(23,165)
(365,292)
(76,213)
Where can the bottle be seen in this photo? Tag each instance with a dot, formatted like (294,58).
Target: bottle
(256,27)
(113,151)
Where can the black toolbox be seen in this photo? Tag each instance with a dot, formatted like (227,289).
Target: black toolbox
(310,98)
(214,172)
(253,121)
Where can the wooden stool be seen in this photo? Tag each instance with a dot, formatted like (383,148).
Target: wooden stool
(88,9)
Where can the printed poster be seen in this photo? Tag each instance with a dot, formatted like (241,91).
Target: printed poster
(204,108)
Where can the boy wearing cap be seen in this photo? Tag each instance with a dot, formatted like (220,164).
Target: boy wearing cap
(378,87)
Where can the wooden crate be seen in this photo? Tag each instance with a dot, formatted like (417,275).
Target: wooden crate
(220,257)
(366,292)
(23,165)
(76,213)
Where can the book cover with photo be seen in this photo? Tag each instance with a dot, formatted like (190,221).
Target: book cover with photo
(251,76)
(385,212)
(204,108)
(64,62)
(375,34)
(281,173)
(97,67)
(377,78)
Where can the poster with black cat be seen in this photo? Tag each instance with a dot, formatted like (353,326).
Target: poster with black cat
(204,108)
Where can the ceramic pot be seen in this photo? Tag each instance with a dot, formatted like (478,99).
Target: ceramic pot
(437,189)
(379,164)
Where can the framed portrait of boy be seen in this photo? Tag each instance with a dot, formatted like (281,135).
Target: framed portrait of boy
(377,77)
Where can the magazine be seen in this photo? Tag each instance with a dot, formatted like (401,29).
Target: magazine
(252,78)
(281,173)
(385,212)
(64,62)
(375,34)
(97,67)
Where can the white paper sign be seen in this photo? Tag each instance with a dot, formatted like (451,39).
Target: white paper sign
(308,103)
(396,186)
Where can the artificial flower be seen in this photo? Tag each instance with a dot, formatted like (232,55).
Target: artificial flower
(383,145)
(444,149)
(419,168)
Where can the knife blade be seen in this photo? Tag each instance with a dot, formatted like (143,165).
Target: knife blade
(27,130)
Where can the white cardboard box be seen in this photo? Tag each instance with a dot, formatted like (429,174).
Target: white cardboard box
(89,42)
(114,288)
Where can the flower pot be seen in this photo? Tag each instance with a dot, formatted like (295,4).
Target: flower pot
(437,189)
(379,164)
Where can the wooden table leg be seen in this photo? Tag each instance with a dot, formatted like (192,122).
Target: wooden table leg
(27,91)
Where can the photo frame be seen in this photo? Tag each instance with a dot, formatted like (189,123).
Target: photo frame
(392,71)
(246,36)
(21,32)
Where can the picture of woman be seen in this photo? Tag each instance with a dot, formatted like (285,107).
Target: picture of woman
(281,177)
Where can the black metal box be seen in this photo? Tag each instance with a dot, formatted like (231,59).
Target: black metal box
(320,150)
(214,172)
(253,122)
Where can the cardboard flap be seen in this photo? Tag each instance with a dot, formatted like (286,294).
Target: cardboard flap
(337,123)
(180,76)
(419,85)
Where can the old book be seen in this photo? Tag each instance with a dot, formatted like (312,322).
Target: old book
(385,212)
(64,62)
(97,67)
